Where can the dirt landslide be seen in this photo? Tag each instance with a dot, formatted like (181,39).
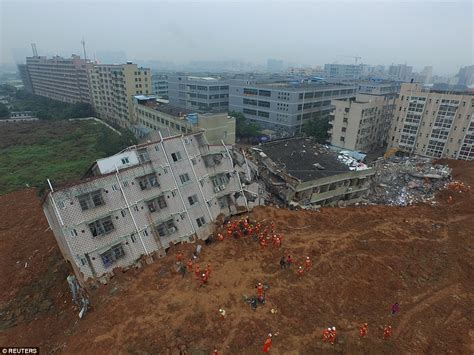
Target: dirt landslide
(365,259)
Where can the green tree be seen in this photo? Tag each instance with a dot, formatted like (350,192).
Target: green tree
(4,113)
(244,128)
(318,128)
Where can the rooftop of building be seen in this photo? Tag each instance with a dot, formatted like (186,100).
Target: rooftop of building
(297,86)
(153,103)
(303,158)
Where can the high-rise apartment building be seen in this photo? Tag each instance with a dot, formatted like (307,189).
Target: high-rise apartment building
(196,92)
(58,78)
(152,116)
(160,85)
(113,88)
(466,75)
(438,124)
(285,107)
(25,77)
(363,124)
(143,200)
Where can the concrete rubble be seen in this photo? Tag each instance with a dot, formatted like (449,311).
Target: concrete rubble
(406,181)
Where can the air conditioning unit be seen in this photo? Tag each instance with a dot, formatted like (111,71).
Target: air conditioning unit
(217,189)
(172,229)
(222,187)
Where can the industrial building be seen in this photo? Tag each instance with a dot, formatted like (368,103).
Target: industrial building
(113,87)
(301,172)
(438,124)
(57,78)
(400,72)
(199,92)
(143,200)
(150,115)
(285,107)
(344,71)
(363,124)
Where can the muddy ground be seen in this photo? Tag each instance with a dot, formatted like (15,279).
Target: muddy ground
(365,259)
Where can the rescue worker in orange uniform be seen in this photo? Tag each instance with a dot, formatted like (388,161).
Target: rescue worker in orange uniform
(189,265)
(332,335)
(197,271)
(268,344)
(364,328)
(387,331)
(326,334)
(215,352)
(300,272)
(263,243)
(203,279)
(179,257)
(220,237)
(260,292)
(277,241)
(308,263)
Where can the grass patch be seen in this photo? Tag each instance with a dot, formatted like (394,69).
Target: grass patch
(62,150)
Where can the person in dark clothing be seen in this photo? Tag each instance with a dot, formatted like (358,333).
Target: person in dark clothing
(253,303)
(282,263)
(289,261)
(395,308)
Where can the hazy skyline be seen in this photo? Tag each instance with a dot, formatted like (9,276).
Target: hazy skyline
(419,33)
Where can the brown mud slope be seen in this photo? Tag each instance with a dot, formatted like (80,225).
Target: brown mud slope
(365,259)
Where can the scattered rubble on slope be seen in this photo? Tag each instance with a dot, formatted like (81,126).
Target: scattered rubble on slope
(408,180)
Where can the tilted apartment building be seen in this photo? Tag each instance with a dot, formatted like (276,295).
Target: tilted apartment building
(152,116)
(363,124)
(285,107)
(438,124)
(141,201)
(58,78)
(113,87)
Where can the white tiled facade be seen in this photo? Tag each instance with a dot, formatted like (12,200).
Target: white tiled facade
(197,182)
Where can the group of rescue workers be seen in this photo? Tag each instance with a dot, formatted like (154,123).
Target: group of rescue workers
(266,236)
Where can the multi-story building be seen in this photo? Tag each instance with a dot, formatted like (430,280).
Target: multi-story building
(160,85)
(343,71)
(362,124)
(196,92)
(58,78)
(143,200)
(113,88)
(438,124)
(285,107)
(466,75)
(401,72)
(275,65)
(151,115)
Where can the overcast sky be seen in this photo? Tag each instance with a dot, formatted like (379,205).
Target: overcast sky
(418,33)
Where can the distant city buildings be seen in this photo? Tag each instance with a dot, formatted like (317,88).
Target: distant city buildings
(305,71)
(285,107)
(466,75)
(58,78)
(438,124)
(160,85)
(275,65)
(152,116)
(362,124)
(343,71)
(199,92)
(400,72)
(113,87)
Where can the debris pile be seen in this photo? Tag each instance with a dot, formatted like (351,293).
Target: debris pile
(352,162)
(409,180)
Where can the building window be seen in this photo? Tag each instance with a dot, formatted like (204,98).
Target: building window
(73,233)
(143,155)
(101,226)
(263,114)
(125,160)
(342,139)
(343,129)
(166,228)
(112,255)
(157,204)
(176,156)
(184,178)
(200,221)
(148,181)
(91,200)
(193,199)
(267,93)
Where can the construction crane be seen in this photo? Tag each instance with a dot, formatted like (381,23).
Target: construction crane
(356,57)
(33,47)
